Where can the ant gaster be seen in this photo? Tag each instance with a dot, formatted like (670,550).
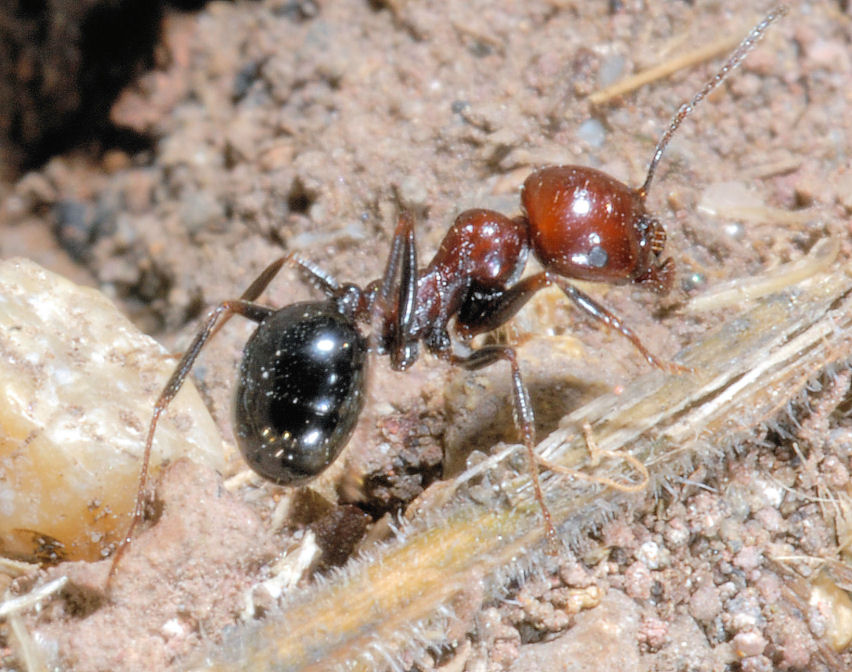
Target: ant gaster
(301,383)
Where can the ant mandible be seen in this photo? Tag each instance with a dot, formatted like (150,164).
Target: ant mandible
(301,383)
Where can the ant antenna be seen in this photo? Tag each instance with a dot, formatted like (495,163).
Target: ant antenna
(686,109)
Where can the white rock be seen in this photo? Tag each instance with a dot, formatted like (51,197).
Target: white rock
(77,388)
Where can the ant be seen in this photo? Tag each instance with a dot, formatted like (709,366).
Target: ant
(301,382)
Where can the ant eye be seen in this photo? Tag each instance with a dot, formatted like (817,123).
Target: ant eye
(598,257)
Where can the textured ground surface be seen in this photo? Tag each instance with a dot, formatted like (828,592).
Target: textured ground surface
(281,125)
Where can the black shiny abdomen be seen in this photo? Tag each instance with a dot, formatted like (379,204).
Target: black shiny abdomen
(300,390)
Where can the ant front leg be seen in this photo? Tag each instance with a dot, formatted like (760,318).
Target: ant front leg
(601,314)
(525,417)
(218,317)
(488,311)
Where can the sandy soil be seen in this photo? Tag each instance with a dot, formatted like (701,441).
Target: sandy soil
(304,126)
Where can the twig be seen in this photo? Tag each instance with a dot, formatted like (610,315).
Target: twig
(399,599)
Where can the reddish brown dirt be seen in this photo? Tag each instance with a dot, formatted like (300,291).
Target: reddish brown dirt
(301,126)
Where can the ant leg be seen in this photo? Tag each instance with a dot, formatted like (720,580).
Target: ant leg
(601,314)
(261,282)
(524,416)
(402,238)
(492,311)
(217,318)
(255,289)
(485,312)
(405,347)
(394,321)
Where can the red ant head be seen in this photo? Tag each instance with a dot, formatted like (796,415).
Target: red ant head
(587,225)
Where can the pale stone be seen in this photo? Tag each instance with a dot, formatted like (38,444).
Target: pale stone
(78,385)
(835,606)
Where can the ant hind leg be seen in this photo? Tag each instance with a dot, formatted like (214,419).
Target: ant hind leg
(216,319)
